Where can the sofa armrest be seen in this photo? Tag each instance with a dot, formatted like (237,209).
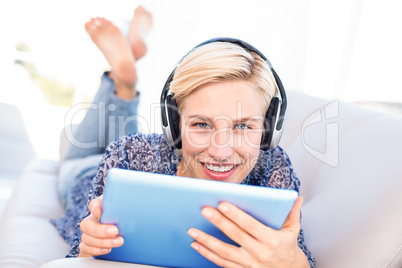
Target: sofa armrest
(28,239)
(91,263)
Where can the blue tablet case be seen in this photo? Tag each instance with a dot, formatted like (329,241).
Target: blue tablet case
(153,213)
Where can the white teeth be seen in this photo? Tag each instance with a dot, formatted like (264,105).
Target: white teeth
(219,168)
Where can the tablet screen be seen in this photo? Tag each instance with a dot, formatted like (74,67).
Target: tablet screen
(153,213)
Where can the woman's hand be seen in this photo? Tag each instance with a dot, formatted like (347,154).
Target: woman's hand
(97,239)
(260,246)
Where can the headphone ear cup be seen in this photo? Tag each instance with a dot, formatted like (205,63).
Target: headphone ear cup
(270,121)
(174,120)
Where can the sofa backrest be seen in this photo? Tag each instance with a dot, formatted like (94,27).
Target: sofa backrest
(348,159)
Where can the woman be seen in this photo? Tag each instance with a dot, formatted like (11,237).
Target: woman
(223,90)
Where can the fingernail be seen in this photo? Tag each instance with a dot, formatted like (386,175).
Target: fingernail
(207,213)
(112,231)
(192,233)
(93,208)
(195,246)
(223,208)
(106,250)
(117,241)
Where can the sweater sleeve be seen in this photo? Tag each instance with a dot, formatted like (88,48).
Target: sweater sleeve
(137,152)
(109,160)
(283,176)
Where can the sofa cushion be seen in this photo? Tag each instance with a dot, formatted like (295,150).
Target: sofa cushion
(28,239)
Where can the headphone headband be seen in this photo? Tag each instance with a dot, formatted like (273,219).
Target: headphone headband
(274,118)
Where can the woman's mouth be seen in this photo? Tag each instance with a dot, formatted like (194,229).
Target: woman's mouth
(219,172)
(219,169)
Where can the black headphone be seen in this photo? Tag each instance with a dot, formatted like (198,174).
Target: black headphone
(274,118)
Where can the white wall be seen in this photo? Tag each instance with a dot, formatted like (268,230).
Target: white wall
(339,49)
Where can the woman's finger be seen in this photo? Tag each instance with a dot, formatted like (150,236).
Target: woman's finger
(231,228)
(212,256)
(93,251)
(95,207)
(92,227)
(215,250)
(292,222)
(246,222)
(102,243)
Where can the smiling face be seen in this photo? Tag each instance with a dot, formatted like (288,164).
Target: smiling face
(221,129)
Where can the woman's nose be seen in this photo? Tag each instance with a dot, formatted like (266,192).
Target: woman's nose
(221,144)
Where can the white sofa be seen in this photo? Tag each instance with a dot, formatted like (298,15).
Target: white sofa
(348,159)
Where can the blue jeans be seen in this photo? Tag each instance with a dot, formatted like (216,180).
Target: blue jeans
(107,118)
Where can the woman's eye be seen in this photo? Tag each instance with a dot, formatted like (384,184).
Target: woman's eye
(202,125)
(241,126)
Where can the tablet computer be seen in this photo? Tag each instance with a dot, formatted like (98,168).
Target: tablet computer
(154,212)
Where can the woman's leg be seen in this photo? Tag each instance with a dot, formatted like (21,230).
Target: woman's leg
(107,118)
(140,26)
(114,108)
(111,114)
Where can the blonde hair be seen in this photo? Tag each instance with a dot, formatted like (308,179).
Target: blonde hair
(221,61)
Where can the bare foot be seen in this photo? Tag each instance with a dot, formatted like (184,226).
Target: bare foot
(117,51)
(140,26)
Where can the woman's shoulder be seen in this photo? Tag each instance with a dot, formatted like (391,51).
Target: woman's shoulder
(139,141)
(273,158)
(136,146)
(145,152)
(273,169)
(141,138)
